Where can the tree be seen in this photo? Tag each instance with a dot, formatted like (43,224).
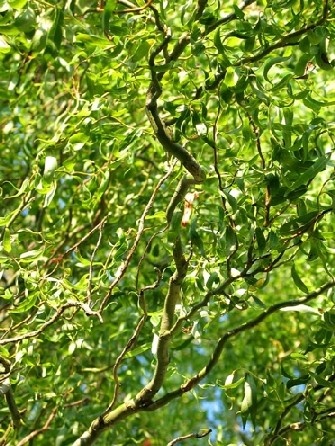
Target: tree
(167,249)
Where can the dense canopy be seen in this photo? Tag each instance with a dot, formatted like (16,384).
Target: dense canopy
(167,222)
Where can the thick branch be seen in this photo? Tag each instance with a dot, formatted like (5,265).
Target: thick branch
(162,134)
(172,298)
(144,398)
(6,390)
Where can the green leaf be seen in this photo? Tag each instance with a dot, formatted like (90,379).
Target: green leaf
(138,350)
(301,308)
(304,45)
(218,43)
(17,4)
(58,27)
(50,195)
(270,63)
(93,41)
(300,67)
(230,238)
(26,21)
(6,240)
(314,104)
(33,254)
(108,9)
(261,242)
(297,280)
(118,30)
(248,405)
(141,51)
(329,318)
(318,166)
(195,237)
(27,303)
(316,35)
(4,46)
(248,398)
(80,138)
(4,221)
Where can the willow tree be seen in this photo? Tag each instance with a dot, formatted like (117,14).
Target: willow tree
(167,200)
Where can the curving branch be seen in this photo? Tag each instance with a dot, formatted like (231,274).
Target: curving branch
(279,429)
(44,326)
(196,379)
(161,132)
(301,425)
(171,147)
(144,398)
(203,433)
(28,439)
(146,395)
(287,40)
(228,18)
(140,229)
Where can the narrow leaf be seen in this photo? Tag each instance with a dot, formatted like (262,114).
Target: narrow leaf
(298,282)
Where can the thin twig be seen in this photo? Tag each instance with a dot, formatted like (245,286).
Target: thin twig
(200,434)
(36,432)
(86,236)
(228,18)
(89,288)
(44,326)
(140,229)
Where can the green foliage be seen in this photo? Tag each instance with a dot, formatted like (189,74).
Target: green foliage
(166,227)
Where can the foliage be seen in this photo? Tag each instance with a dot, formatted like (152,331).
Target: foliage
(167,248)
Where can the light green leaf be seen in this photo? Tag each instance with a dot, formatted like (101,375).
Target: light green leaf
(4,46)
(18,4)
(271,62)
(6,240)
(32,254)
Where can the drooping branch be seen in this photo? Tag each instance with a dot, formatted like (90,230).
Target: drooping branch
(143,402)
(279,429)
